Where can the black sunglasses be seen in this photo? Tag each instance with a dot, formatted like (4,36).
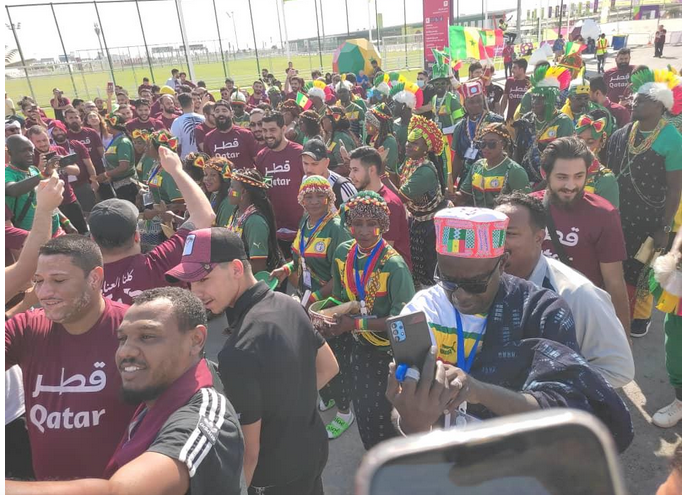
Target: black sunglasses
(481,145)
(472,287)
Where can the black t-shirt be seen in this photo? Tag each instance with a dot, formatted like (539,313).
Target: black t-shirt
(205,435)
(268,370)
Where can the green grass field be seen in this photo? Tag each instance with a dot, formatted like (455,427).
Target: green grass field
(90,84)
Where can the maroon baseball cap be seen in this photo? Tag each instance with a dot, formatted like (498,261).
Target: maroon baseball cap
(204,249)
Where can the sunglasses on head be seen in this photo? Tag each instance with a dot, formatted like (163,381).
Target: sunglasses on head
(481,145)
(470,286)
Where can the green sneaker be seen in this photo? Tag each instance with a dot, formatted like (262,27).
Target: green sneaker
(336,428)
(322,406)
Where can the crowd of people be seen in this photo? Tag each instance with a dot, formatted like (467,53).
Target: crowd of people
(525,220)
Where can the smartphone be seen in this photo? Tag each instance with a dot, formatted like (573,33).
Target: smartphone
(110,87)
(550,452)
(410,338)
(68,160)
(49,155)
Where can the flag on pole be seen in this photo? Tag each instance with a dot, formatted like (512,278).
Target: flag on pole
(492,38)
(303,101)
(465,42)
(573,47)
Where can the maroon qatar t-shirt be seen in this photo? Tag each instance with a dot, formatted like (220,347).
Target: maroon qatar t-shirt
(200,132)
(92,142)
(617,82)
(128,277)
(590,233)
(74,413)
(237,145)
(515,89)
(150,125)
(398,233)
(68,195)
(285,169)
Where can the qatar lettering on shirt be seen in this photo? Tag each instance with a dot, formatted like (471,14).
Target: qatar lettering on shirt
(617,81)
(237,145)
(74,413)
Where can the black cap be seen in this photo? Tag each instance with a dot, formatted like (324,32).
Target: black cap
(315,148)
(113,219)
(204,249)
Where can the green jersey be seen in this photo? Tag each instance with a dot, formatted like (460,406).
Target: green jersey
(604,183)
(356,116)
(485,184)
(334,146)
(391,145)
(319,247)
(223,211)
(161,184)
(253,228)
(388,289)
(120,150)
(447,111)
(400,133)
(17,205)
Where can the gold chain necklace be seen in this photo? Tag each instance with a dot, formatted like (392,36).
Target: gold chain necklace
(647,141)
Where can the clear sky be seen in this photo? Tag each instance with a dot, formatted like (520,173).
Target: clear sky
(39,39)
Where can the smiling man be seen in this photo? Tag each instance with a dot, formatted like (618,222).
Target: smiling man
(66,353)
(584,229)
(184,436)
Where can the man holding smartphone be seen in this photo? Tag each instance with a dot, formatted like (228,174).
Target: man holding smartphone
(506,346)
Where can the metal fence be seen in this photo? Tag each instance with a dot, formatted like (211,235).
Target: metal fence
(79,40)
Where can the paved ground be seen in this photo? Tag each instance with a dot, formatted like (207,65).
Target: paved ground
(645,463)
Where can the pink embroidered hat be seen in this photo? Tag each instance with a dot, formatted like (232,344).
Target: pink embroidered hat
(470,232)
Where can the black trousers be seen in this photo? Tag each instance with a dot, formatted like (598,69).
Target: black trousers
(508,68)
(600,63)
(339,386)
(74,213)
(658,49)
(308,485)
(127,192)
(372,409)
(18,464)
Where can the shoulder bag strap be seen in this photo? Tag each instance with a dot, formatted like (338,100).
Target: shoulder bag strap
(558,247)
(29,201)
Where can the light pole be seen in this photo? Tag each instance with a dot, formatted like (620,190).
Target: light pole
(234,26)
(101,50)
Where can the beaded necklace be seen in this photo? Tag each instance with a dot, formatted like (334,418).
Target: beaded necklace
(478,122)
(409,168)
(647,141)
(236,223)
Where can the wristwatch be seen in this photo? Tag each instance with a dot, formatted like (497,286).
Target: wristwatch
(667,229)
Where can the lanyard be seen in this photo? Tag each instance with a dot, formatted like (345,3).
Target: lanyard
(154,173)
(113,140)
(462,362)
(367,270)
(312,234)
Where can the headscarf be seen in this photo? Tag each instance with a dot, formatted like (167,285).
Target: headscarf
(500,129)
(368,204)
(596,126)
(378,114)
(421,127)
(290,106)
(311,115)
(338,117)
(251,178)
(115,121)
(196,159)
(221,165)
(165,139)
(316,183)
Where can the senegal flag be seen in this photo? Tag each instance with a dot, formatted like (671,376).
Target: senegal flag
(303,101)
(465,42)
(491,39)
